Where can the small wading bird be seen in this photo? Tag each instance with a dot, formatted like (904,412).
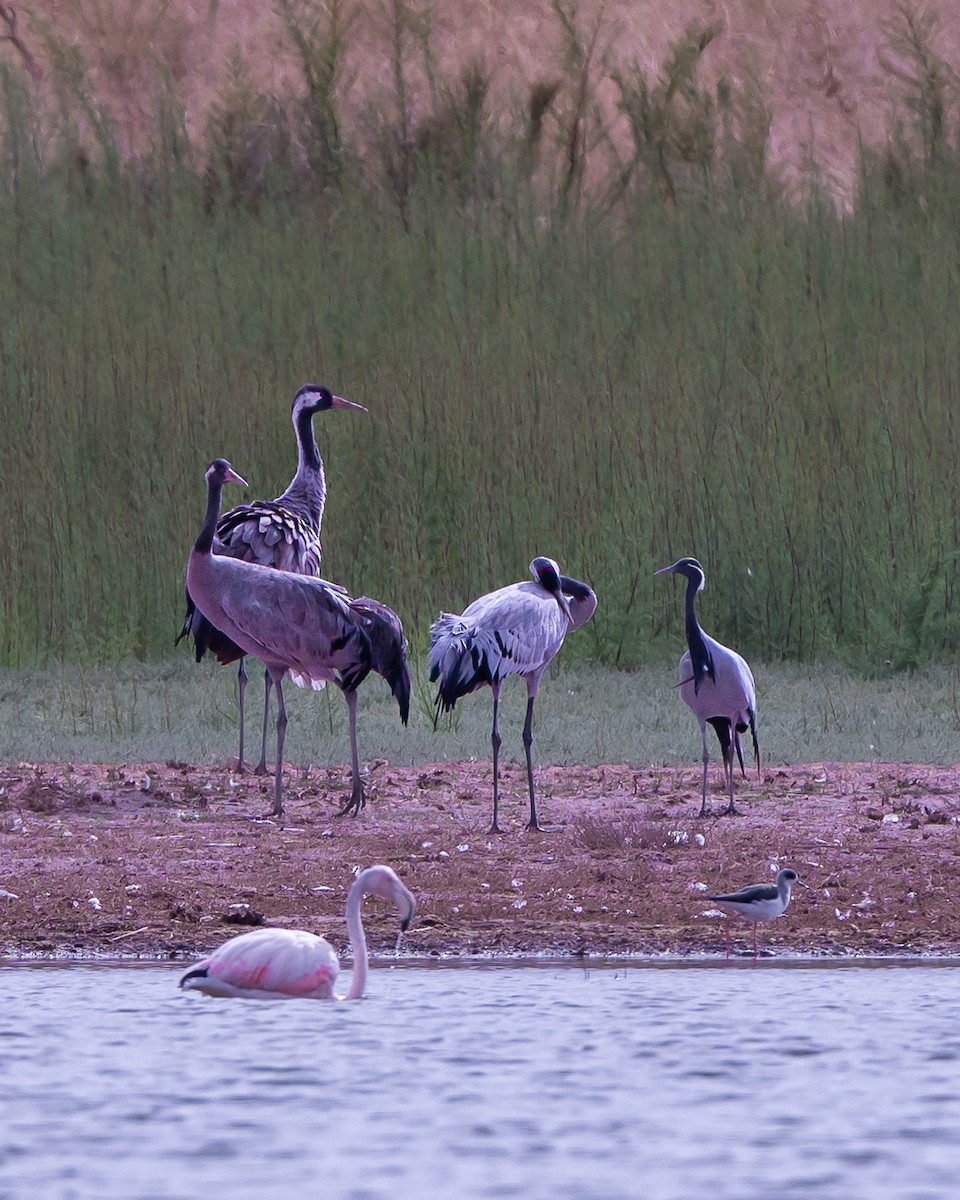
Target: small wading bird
(761,902)
(515,630)
(282,533)
(286,964)
(716,684)
(298,626)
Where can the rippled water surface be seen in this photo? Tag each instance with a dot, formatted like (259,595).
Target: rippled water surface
(640,1081)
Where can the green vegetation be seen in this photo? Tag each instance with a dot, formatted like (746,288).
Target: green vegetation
(587,715)
(613,365)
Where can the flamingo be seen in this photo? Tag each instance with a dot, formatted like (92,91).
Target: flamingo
(759,902)
(516,630)
(282,533)
(287,964)
(296,625)
(716,683)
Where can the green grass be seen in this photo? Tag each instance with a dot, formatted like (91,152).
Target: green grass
(178,710)
(554,368)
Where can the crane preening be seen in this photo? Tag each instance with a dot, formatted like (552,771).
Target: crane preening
(516,630)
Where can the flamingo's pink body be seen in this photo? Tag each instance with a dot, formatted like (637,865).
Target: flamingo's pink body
(287,964)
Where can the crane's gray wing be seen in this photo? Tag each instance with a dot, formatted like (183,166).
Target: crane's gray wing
(296,622)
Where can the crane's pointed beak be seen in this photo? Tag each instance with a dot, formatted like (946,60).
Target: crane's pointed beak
(664,571)
(339,402)
(565,605)
(232,477)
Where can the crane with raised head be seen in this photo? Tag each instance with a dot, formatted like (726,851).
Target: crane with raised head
(716,683)
(282,533)
(298,626)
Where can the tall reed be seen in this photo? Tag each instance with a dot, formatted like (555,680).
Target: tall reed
(669,359)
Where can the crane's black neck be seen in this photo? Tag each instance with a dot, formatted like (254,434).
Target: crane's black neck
(204,542)
(700,657)
(574,588)
(308,488)
(307,443)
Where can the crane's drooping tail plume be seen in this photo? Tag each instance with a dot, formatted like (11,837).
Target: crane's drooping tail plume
(460,659)
(388,648)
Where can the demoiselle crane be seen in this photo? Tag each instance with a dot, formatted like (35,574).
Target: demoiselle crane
(516,630)
(282,533)
(716,684)
(296,625)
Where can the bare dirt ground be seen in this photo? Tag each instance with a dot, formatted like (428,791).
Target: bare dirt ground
(167,860)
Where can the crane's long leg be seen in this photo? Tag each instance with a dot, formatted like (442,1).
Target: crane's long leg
(706,761)
(728,769)
(357,799)
(261,767)
(242,686)
(527,743)
(277,810)
(495,743)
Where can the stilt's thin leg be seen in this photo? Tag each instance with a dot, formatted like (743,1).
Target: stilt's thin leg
(726,942)
(242,685)
(357,799)
(527,743)
(261,767)
(495,743)
(756,952)
(281,733)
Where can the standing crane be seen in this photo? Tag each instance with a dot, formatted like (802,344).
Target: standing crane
(716,683)
(282,533)
(296,625)
(516,630)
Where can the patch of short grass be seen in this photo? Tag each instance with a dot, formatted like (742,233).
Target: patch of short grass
(179,710)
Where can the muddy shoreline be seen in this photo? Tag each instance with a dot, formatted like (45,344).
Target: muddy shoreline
(167,860)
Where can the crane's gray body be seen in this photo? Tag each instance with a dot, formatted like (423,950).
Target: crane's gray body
(515,630)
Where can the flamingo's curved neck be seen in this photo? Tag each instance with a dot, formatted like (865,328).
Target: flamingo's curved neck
(204,542)
(358,942)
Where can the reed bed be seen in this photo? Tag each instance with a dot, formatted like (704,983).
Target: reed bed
(614,358)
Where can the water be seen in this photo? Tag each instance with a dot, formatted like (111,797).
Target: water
(643,1082)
